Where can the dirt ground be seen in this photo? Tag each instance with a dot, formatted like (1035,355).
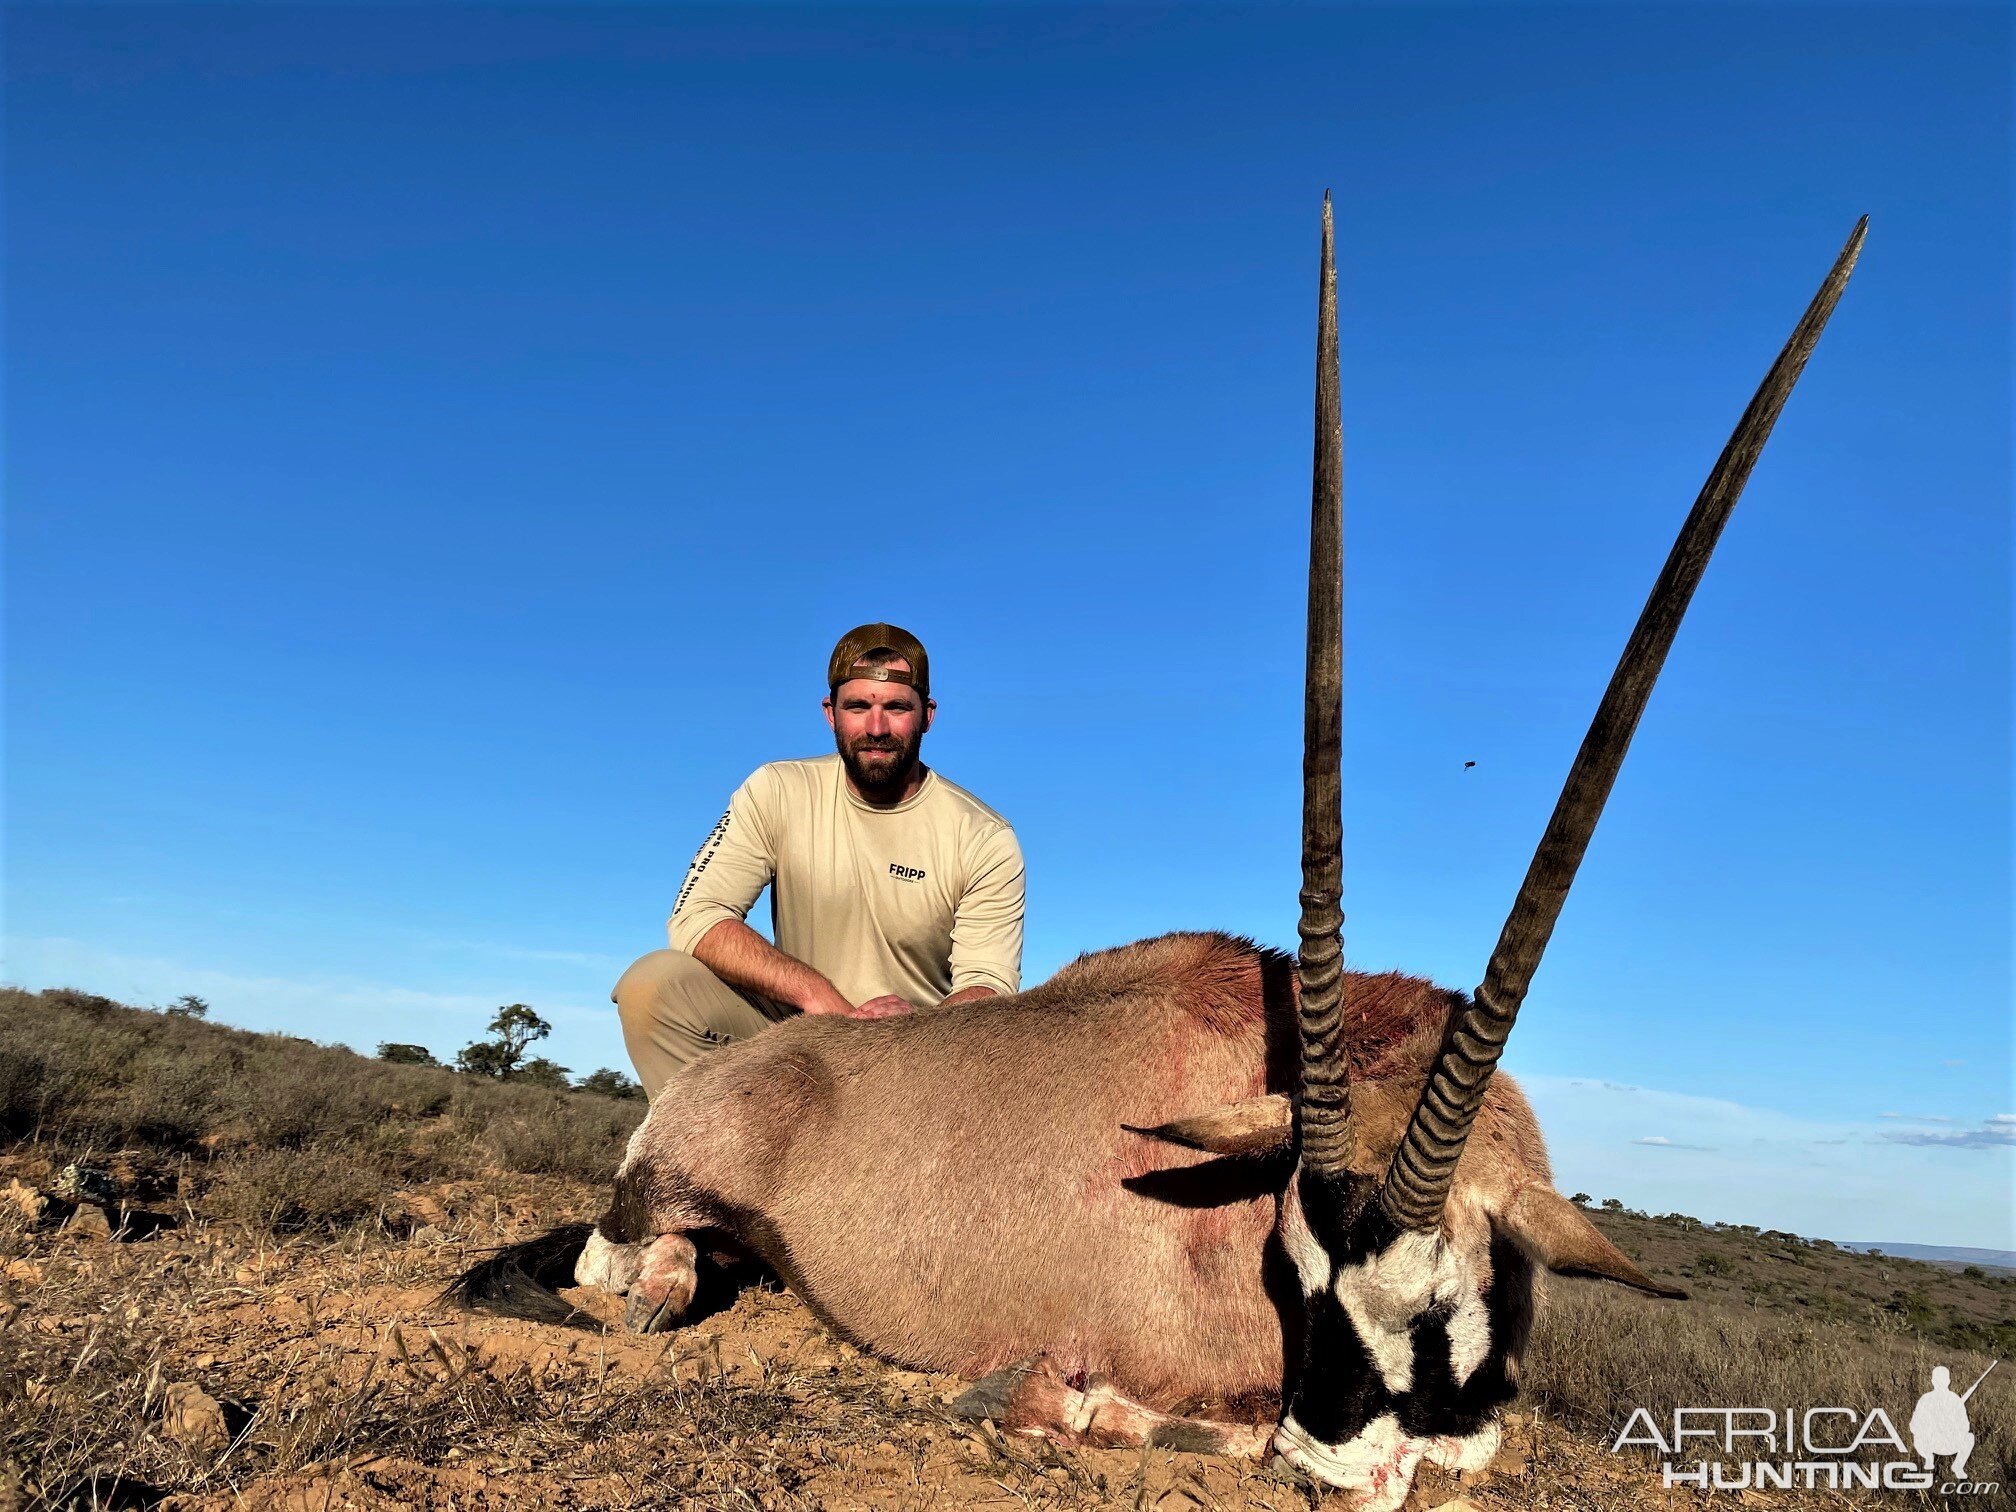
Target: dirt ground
(212,1367)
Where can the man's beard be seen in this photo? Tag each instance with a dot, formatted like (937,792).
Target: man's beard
(882,781)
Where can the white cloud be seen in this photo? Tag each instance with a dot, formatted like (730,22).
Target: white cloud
(1994,1137)
(1917,1117)
(486,950)
(1997,1131)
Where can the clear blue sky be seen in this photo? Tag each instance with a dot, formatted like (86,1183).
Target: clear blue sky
(442,444)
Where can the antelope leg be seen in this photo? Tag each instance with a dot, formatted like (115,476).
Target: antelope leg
(1034,1397)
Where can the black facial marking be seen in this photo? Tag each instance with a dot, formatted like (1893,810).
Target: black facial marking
(1511,1300)
(1436,1404)
(1339,1390)
(1342,1216)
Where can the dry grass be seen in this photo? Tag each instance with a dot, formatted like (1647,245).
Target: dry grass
(1601,1352)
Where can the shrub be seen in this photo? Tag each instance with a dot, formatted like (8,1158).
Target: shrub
(31,1087)
(293,1190)
(541,1072)
(1916,1309)
(407,1055)
(611,1084)
(289,1114)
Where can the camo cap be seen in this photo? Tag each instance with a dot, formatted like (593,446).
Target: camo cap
(863,639)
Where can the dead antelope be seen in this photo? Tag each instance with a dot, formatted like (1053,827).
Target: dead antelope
(1179,1177)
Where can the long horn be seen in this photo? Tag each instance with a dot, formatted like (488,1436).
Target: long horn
(1323,1110)
(1425,1163)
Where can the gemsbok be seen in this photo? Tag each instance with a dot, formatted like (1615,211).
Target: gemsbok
(1186,1192)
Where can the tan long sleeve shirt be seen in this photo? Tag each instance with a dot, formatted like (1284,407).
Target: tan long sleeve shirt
(922,899)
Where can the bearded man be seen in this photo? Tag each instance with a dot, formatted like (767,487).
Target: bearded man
(890,888)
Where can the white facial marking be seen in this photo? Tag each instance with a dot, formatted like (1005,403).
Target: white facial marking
(1394,1286)
(1471,1452)
(1391,1349)
(1469,1334)
(1377,1463)
(613,1267)
(1312,1261)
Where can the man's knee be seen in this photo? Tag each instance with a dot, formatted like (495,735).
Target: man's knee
(657,986)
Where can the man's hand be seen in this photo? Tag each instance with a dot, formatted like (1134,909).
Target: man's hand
(887,1006)
(971,994)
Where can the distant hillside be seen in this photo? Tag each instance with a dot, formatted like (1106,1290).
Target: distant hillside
(1958,1304)
(1939,1254)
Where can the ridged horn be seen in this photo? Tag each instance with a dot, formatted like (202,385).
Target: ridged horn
(1417,1184)
(1323,1106)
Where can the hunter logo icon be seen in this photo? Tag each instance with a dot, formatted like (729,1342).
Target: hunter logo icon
(906,873)
(1835,1448)
(1939,1422)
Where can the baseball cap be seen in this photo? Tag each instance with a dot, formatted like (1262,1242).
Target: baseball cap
(861,640)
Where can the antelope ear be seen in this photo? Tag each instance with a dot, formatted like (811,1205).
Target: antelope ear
(1567,1243)
(1257,1126)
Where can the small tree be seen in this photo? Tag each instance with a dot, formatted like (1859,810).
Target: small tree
(610,1084)
(1581,1199)
(1612,1205)
(515,1027)
(188,1006)
(407,1055)
(541,1072)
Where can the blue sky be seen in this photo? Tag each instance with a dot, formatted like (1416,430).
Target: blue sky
(442,444)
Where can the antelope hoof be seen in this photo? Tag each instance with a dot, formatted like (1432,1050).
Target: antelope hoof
(664,1285)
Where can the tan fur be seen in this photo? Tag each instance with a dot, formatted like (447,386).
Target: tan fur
(956,1189)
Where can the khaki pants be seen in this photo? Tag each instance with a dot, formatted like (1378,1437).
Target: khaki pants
(675,1010)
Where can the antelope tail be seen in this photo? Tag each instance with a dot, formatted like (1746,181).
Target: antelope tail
(520,1280)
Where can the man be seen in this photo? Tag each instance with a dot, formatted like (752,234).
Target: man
(890,887)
